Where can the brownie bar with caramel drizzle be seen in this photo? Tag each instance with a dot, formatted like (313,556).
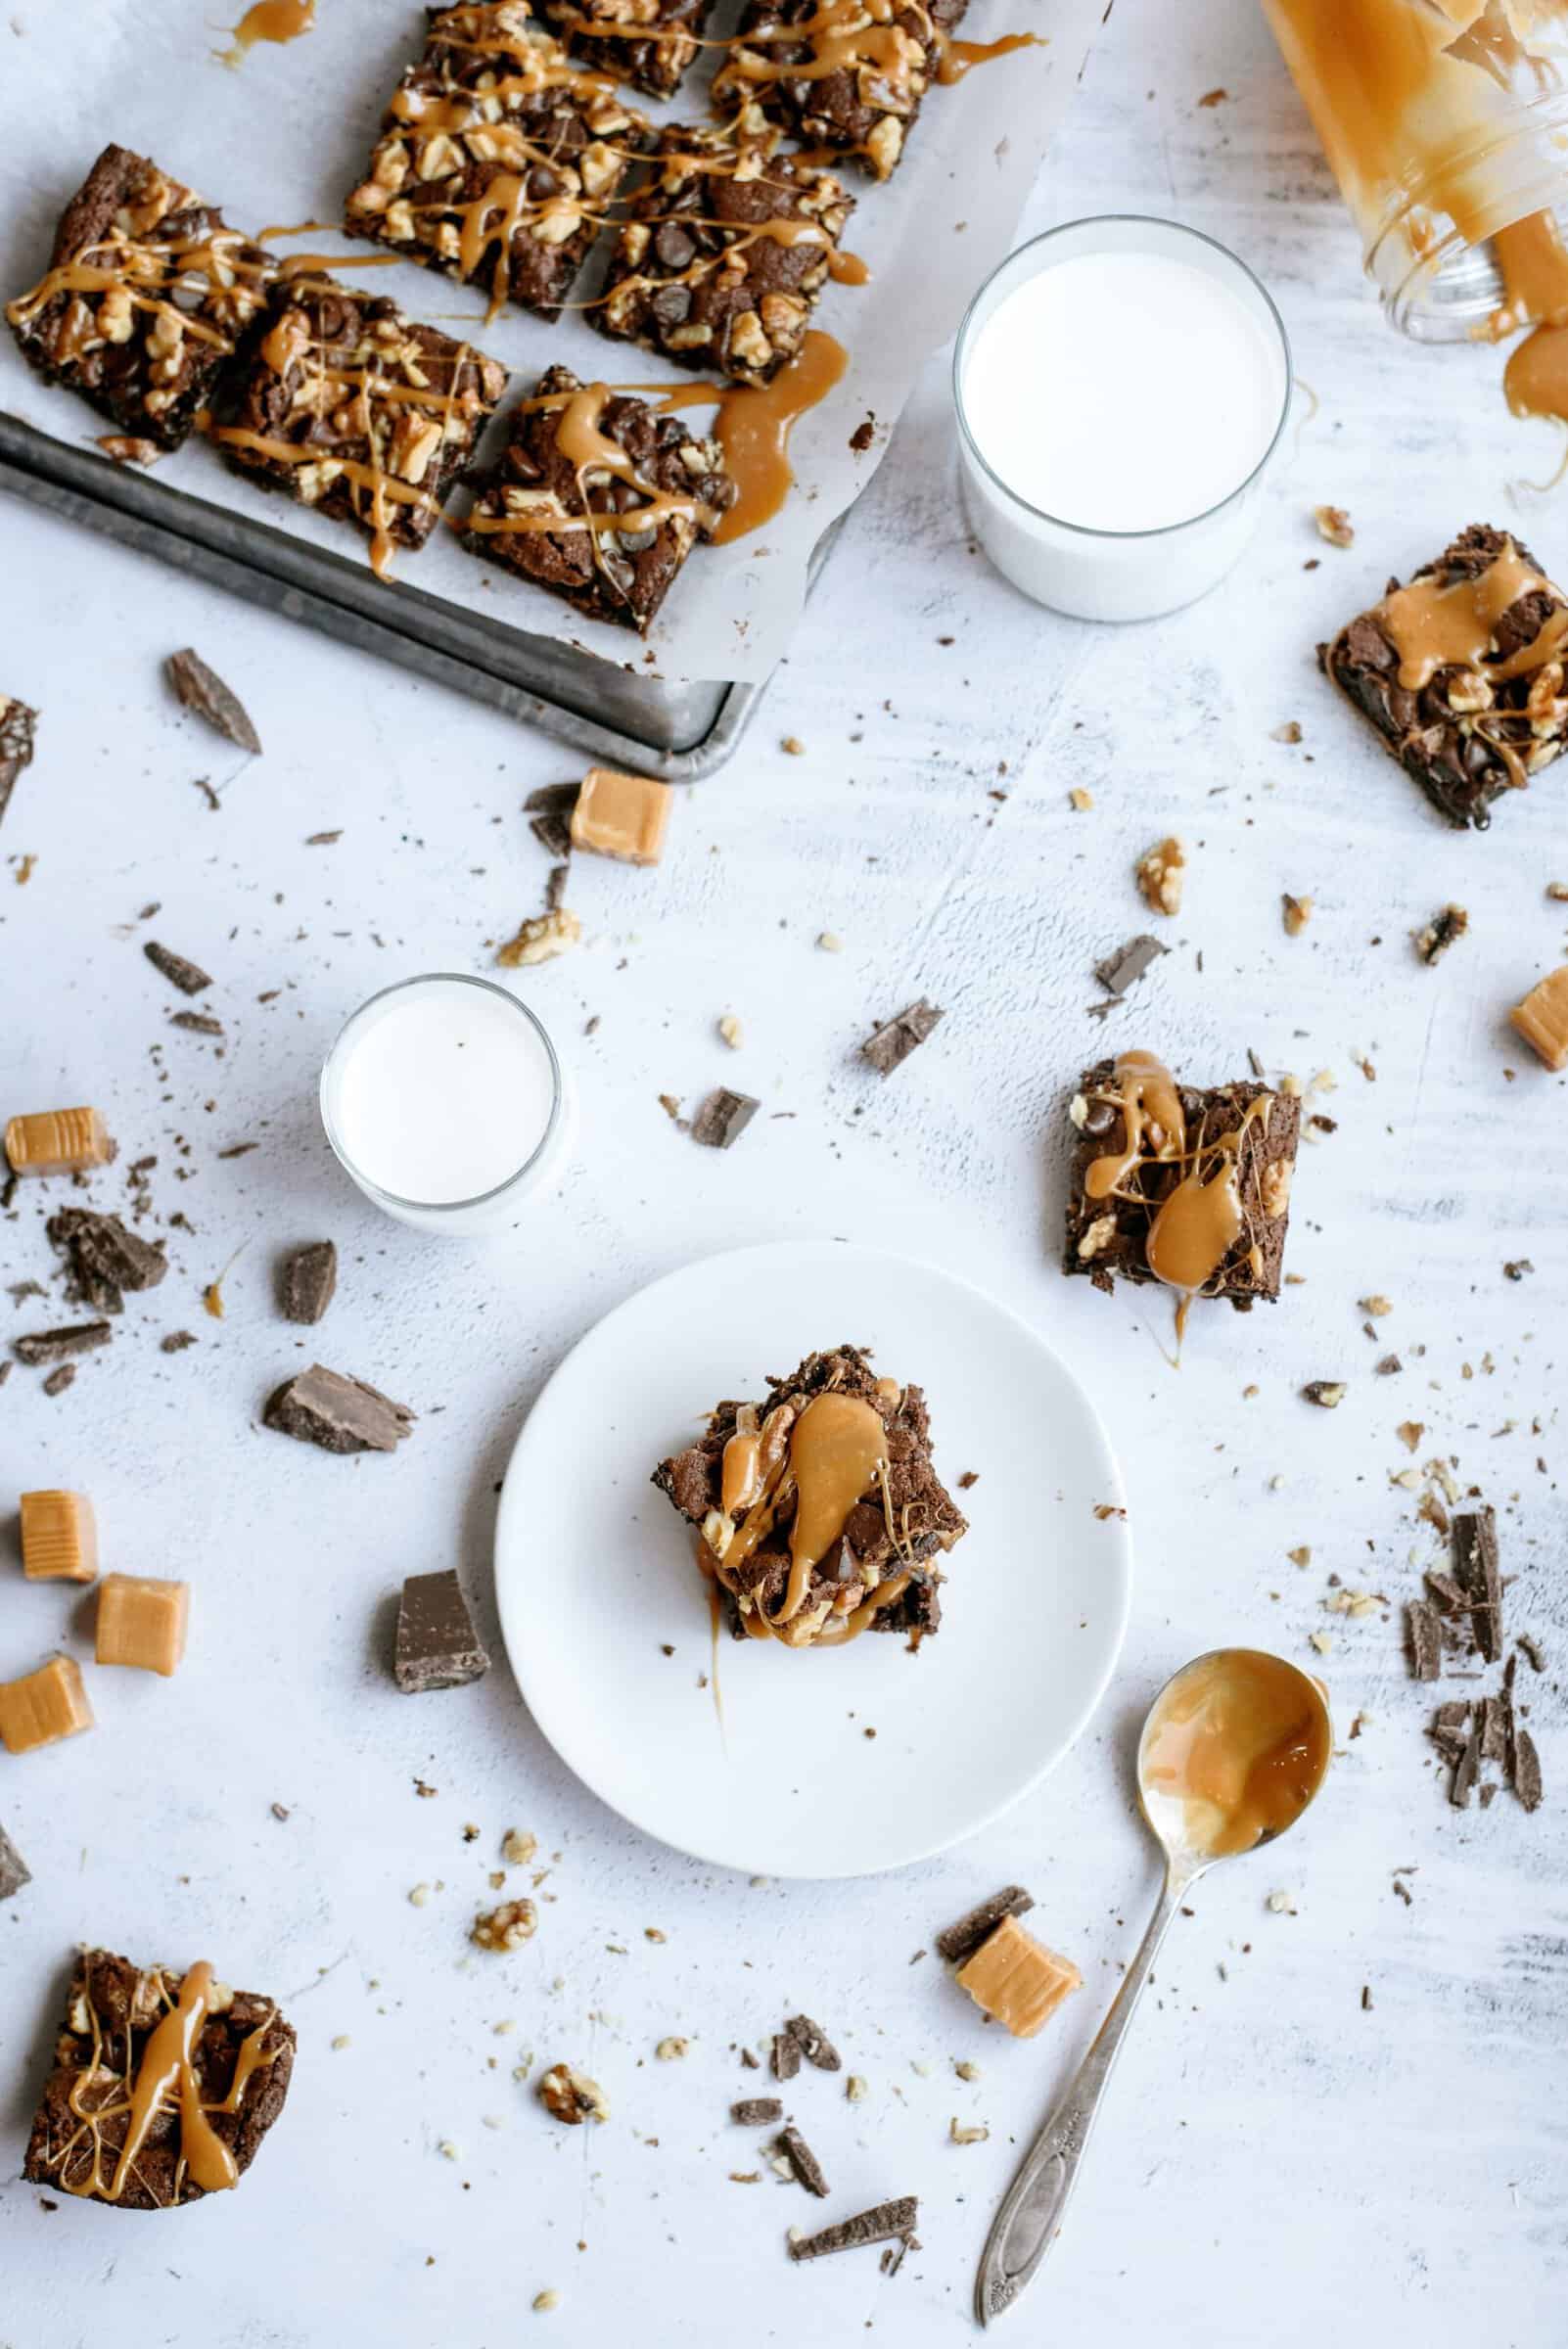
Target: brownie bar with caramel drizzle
(598,498)
(497,158)
(146,293)
(162,2088)
(819,1510)
(649,43)
(846,76)
(724,251)
(350,407)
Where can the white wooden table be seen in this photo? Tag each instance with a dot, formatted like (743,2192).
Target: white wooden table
(1275,2159)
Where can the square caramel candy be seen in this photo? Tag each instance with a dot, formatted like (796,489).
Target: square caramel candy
(142,1622)
(59,1538)
(621,815)
(43,1706)
(1542,1019)
(1017,1980)
(58,1141)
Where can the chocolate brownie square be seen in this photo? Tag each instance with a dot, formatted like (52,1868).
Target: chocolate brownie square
(146,293)
(820,1508)
(598,498)
(649,43)
(1461,672)
(352,408)
(838,74)
(497,158)
(1176,1183)
(164,2086)
(724,251)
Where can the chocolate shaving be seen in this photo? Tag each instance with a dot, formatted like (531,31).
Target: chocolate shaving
(337,1415)
(723,1118)
(1447,1732)
(59,1344)
(187,977)
(757,2112)
(176,1341)
(890,1045)
(886,2222)
(550,808)
(1446,1591)
(962,1940)
(802,2160)
(813,2043)
(18,727)
(104,1258)
(195,1023)
(1475,1568)
(1124,969)
(14,1869)
(306,1281)
(59,1380)
(1526,1771)
(1468,1764)
(1533,1651)
(1425,1640)
(322,840)
(1493,1712)
(785,2060)
(203,690)
(437,1647)
(555,886)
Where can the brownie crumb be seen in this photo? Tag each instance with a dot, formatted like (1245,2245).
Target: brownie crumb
(60,1345)
(176,1341)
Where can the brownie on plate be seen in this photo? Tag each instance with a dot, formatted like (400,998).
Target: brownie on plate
(1461,672)
(839,75)
(598,498)
(496,157)
(146,293)
(164,2086)
(819,1510)
(1176,1183)
(649,43)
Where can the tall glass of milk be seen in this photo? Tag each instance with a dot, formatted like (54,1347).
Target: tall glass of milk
(1122,386)
(446,1101)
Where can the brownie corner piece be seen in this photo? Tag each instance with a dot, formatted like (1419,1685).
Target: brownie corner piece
(648,43)
(352,408)
(724,250)
(848,81)
(146,298)
(598,498)
(95,2136)
(1460,672)
(1177,1183)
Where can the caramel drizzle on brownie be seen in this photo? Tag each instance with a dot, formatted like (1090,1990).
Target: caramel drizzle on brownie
(149,272)
(1432,626)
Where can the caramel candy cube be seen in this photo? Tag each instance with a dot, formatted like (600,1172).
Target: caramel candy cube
(59,1538)
(58,1141)
(621,815)
(1017,1979)
(142,1622)
(46,1705)
(1542,1019)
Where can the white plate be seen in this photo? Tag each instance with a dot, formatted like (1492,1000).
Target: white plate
(594,1574)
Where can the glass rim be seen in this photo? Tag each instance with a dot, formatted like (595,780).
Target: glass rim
(1177,228)
(441,1206)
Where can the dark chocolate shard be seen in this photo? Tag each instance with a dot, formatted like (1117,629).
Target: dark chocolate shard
(723,1118)
(14,1869)
(104,1258)
(203,690)
(1447,1731)
(437,1647)
(555,886)
(1493,1728)
(802,2160)
(757,2112)
(1425,1640)
(813,2043)
(890,1045)
(195,1023)
(59,1344)
(339,1414)
(1526,1770)
(785,2059)
(187,977)
(962,1940)
(550,808)
(1124,969)
(306,1281)
(1469,1761)
(886,2222)
(18,726)
(1476,1571)
(1446,1596)
(59,1380)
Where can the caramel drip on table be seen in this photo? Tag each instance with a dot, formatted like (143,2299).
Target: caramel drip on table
(960,58)
(317,267)
(1432,626)
(268,20)
(1242,1744)
(835,1448)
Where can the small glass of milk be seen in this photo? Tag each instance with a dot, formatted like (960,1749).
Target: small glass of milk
(445,1100)
(1121,385)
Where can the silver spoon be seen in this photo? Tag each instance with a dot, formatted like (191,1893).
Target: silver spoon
(1195,1833)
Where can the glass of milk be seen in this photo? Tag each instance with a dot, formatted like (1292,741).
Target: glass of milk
(445,1100)
(1122,386)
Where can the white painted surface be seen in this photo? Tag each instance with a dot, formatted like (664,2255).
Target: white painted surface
(1275,2163)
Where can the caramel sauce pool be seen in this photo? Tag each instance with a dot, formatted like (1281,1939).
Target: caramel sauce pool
(1241,1741)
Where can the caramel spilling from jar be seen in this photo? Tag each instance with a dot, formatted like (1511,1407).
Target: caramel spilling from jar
(1240,1743)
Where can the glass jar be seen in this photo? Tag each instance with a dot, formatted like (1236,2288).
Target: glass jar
(1445,120)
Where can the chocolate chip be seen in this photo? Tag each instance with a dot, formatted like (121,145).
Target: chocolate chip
(673,246)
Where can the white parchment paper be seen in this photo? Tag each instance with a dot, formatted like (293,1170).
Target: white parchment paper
(285,136)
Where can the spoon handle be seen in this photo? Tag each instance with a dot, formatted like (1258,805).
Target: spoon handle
(1032,2208)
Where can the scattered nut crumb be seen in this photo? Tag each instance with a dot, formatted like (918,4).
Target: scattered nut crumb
(1558,889)
(794,745)
(1322,1642)
(1441,932)
(1160,875)
(341,2041)
(419,1895)
(540,936)
(1290,732)
(505,1928)
(1334,524)
(733,1034)
(854,2088)
(1082,800)
(967,2070)
(830,943)
(543,2302)
(1283,1904)
(1297,914)
(973,2136)
(1410,1433)
(672,2051)
(570,2096)
(447,2150)
(1327,1393)
(653,1933)
(1377,1306)
(517,1846)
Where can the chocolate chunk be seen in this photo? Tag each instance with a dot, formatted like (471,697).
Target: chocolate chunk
(1425,1640)
(59,1380)
(802,2160)
(723,1118)
(892,1044)
(195,1023)
(960,1940)
(14,1869)
(550,808)
(886,2222)
(1446,1596)
(187,977)
(339,1414)
(437,1647)
(756,2112)
(1493,1711)
(785,2060)
(104,1258)
(176,1341)
(18,727)
(59,1344)
(1469,1761)
(203,690)
(1447,1730)
(1124,969)
(1327,1393)
(1526,1770)
(1475,1568)
(813,2043)
(306,1281)
(1534,1651)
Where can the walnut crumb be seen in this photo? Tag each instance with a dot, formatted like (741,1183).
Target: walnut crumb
(1290,732)
(1376,1306)
(543,2302)
(1327,1393)
(966,2070)
(1160,875)
(1283,1904)
(1274,1187)
(1558,889)
(733,1034)
(570,2096)
(958,2135)
(1296,912)
(1082,800)
(653,1933)
(830,943)
(672,2051)
(1334,524)
(1302,1556)
(505,1928)
(1441,932)
(540,937)
(517,1846)
(794,745)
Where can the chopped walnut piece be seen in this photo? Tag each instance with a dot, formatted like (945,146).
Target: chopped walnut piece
(1100,1234)
(733,1034)
(542,936)
(1274,1187)
(1327,1393)
(505,1928)
(571,2096)
(958,2135)
(1160,875)
(1082,800)
(1334,524)
(672,2051)
(1290,732)
(1441,932)
(1297,914)
(517,1846)
(1376,1306)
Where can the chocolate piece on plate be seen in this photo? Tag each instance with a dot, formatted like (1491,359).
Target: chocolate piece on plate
(336,1414)
(164,2087)
(1477,1573)
(14,1869)
(187,977)
(437,1647)
(838,75)
(203,690)
(18,726)
(103,1257)
(722,1117)
(961,1940)
(891,1043)
(306,1281)
(1460,674)
(886,2222)
(649,43)
(802,2160)
(46,1346)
